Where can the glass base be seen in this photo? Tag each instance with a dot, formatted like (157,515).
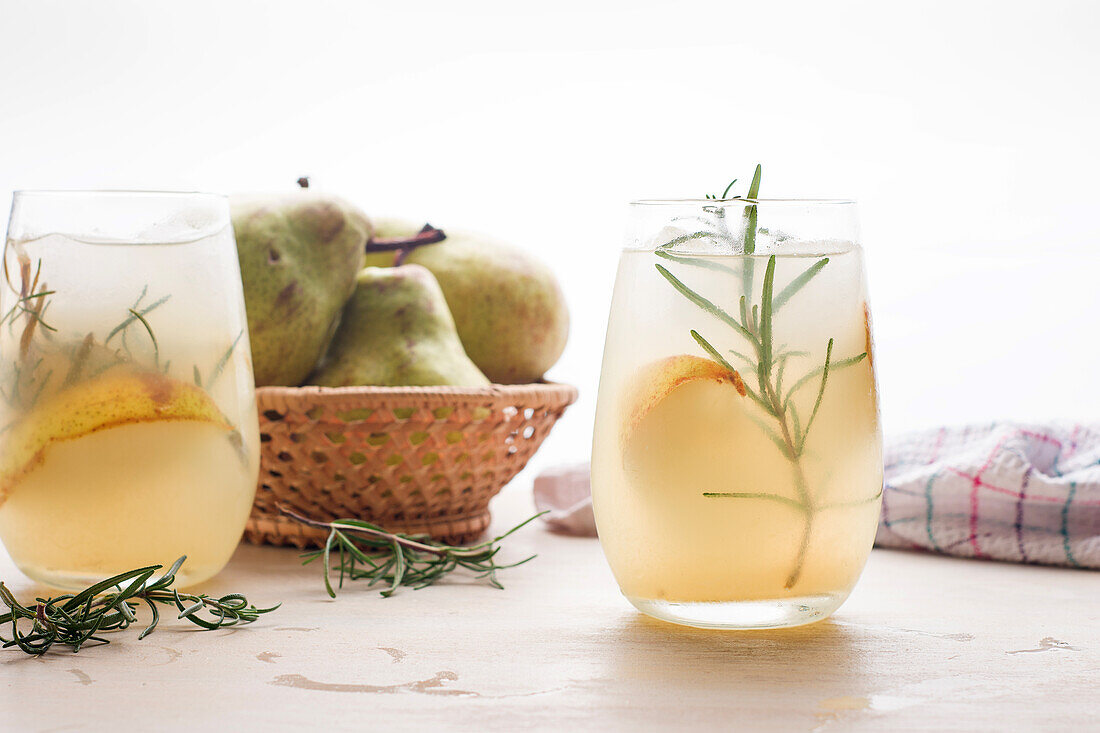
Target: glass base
(772,614)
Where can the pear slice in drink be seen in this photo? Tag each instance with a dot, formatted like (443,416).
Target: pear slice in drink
(113,399)
(689,428)
(657,381)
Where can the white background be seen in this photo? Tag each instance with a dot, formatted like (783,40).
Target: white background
(968,132)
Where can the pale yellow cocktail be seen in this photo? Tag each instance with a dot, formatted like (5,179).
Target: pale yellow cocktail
(736,477)
(128,433)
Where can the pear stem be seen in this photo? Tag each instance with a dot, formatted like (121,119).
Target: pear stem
(404,245)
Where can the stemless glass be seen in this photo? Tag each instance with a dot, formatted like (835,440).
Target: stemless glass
(128,430)
(737,459)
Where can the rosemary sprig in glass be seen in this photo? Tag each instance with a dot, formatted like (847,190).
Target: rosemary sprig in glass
(363,551)
(765,360)
(26,383)
(73,620)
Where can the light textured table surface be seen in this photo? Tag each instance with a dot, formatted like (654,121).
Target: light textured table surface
(924,643)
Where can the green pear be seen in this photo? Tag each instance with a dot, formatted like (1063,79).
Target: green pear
(508,307)
(397,331)
(299,255)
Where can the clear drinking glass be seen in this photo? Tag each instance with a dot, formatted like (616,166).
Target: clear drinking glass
(737,459)
(128,430)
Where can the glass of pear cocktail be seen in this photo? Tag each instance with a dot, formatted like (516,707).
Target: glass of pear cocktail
(737,460)
(128,429)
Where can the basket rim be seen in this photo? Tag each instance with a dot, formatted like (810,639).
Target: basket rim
(493,390)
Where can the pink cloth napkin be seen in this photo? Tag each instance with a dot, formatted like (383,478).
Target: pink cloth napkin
(566,493)
(1002,491)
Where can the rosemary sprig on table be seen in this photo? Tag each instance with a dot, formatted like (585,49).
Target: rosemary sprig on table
(363,551)
(766,360)
(73,620)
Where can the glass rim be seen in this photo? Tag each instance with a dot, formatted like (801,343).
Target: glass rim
(117,217)
(113,192)
(743,202)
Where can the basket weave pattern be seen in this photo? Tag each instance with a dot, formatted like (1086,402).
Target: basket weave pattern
(411,459)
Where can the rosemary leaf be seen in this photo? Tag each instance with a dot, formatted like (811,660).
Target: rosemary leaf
(750,216)
(683,238)
(766,314)
(697,262)
(131,318)
(782,366)
(327,554)
(711,351)
(705,304)
(798,283)
(155,613)
(820,394)
(841,364)
(796,425)
(781,362)
(399,567)
(742,357)
(756,495)
(853,503)
(754,185)
(762,380)
(190,610)
(149,330)
(144,292)
(220,366)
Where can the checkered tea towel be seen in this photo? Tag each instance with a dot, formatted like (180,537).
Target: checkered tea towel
(1022,493)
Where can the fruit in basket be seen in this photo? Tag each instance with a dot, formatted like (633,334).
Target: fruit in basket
(508,307)
(397,331)
(299,256)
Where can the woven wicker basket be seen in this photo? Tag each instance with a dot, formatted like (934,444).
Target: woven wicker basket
(411,459)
